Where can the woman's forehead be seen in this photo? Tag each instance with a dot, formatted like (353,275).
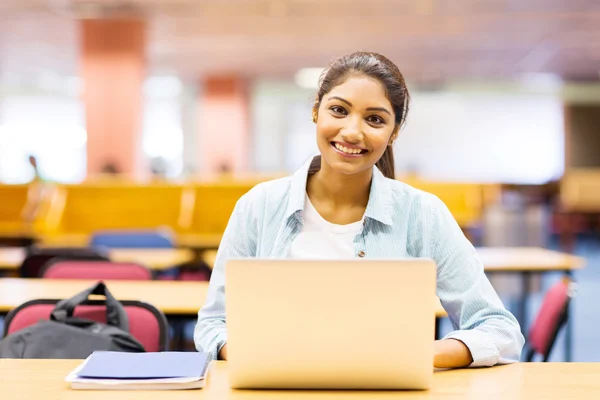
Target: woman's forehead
(361,89)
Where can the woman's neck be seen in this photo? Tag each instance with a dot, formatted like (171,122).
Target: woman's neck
(339,190)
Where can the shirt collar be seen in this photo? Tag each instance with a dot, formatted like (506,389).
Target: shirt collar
(379,208)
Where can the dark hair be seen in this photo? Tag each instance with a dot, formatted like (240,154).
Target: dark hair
(378,67)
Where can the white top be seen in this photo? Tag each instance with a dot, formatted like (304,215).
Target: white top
(320,239)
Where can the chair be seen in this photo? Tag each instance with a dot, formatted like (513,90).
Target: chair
(552,316)
(83,269)
(37,258)
(146,323)
(132,240)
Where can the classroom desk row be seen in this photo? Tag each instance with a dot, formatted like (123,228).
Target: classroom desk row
(29,379)
(495,259)
(505,259)
(11,258)
(182,298)
(174,298)
(200,241)
(524,261)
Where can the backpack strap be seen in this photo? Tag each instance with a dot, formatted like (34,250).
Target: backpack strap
(115,313)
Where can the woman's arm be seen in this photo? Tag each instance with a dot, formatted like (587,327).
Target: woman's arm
(483,326)
(450,353)
(239,240)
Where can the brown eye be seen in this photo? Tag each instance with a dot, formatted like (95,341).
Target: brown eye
(374,119)
(338,110)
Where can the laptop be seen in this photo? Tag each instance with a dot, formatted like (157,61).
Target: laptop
(330,324)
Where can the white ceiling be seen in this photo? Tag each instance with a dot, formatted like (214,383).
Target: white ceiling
(430,40)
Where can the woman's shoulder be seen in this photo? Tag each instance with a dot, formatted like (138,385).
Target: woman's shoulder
(405,193)
(275,191)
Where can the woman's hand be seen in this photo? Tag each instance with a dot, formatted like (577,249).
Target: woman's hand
(451,353)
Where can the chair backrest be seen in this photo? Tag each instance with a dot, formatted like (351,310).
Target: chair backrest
(552,316)
(132,240)
(465,201)
(214,204)
(84,269)
(90,207)
(580,189)
(37,258)
(14,199)
(146,323)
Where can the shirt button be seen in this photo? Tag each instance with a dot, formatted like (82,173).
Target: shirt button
(361,253)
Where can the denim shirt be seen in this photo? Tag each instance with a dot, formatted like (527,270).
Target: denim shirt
(399,222)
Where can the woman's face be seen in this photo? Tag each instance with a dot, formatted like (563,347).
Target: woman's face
(355,124)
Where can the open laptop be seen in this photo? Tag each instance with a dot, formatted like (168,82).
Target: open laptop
(317,324)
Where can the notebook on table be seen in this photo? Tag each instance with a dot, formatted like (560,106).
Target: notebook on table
(107,370)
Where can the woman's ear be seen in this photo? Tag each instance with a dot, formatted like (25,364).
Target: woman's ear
(394,135)
(315,114)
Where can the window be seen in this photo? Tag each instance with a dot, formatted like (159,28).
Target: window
(51,128)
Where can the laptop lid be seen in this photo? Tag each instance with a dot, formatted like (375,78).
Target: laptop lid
(330,324)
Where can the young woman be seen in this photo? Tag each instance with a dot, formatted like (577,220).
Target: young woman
(345,203)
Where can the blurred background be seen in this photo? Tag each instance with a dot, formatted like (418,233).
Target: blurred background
(159,114)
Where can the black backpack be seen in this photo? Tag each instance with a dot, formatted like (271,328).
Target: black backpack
(65,336)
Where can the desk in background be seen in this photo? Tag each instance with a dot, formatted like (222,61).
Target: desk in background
(155,259)
(171,297)
(199,241)
(31,379)
(183,298)
(505,259)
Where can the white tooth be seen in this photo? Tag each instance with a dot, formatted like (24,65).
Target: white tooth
(356,151)
(345,149)
(338,146)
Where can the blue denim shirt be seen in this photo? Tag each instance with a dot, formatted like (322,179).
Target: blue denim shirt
(400,221)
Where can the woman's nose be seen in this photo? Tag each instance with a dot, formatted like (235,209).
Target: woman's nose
(352,132)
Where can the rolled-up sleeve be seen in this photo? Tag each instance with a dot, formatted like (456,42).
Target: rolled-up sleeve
(239,240)
(477,314)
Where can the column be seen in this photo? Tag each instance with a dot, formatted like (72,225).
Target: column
(223,125)
(112,67)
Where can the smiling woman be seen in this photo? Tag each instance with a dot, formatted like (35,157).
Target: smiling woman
(361,104)
(345,204)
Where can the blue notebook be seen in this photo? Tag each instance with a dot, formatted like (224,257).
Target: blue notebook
(169,364)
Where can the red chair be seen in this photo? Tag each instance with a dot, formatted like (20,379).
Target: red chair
(553,315)
(146,323)
(81,269)
(37,259)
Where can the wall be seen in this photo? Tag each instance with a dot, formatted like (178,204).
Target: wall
(462,133)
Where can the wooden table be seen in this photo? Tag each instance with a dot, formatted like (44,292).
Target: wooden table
(197,241)
(495,259)
(527,259)
(155,259)
(44,379)
(171,297)
(505,259)
(11,257)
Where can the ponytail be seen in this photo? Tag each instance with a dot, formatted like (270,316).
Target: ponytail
(386,163)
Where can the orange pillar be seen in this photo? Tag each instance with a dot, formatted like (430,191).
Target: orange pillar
(112,67)
(223,125)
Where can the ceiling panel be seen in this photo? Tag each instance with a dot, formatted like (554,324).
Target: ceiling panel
(431,40)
